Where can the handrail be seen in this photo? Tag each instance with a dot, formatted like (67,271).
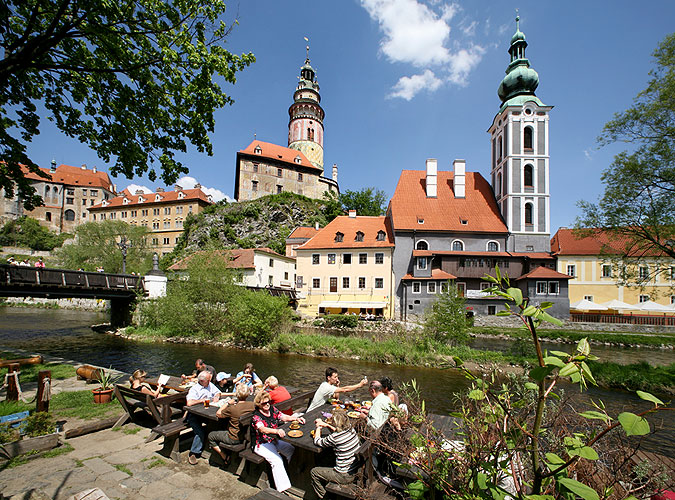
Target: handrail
(10,274)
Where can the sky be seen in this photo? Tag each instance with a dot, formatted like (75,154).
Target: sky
(406,80)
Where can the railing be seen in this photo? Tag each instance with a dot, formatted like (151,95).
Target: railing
(24,275)
(625,319)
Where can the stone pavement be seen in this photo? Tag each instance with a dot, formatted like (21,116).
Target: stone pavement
(123,466)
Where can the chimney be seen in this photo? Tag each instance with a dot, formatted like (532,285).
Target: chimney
(94,169)
(198,186)
(178,188)
(352,214)
(460,178)
(335,172)
(432,177)
(53,169)
(316,226)
(84,166)
(114,188)
(160,190)
(139,192)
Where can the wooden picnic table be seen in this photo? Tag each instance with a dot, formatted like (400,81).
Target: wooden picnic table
(174,383)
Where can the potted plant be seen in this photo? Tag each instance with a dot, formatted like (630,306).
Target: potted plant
(106,380)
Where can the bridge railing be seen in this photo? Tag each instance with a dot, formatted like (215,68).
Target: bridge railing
(68,278)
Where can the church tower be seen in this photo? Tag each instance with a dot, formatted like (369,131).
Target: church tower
(520,154)
(305,128)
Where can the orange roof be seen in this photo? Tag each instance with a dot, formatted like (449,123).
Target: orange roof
(279,153)
(73,176)
(571,242)
(410,204)
(167,196)
(240,258)
(544,273)
(303,232)
(436,274)
(349,226)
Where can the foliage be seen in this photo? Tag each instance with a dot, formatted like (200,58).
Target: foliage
(107,379)
(40,423)
(27,232)
(445,320)
(518,439)
(11,407)
(80,404)
(96,245)
(135,81)
(340,321)
(255,318)
(366,201)
(29,373)
(637,208)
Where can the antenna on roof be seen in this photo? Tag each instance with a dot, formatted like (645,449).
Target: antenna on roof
(255,136)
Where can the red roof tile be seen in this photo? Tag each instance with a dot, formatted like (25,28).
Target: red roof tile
(73,176)
(303,232)
(240,258)
(167,196)
(436,274)
(349,226)
(572,242)
(278,153)
(544,273)
(445,212)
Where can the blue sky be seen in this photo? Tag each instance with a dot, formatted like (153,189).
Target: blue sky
(406,80)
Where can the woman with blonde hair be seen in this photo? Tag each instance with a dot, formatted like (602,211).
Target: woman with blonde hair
(266,422)
(138,382)
(278,393)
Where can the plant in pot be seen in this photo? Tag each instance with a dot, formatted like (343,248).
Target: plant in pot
(106,380)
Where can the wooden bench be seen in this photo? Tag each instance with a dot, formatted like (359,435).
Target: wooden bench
(171,433)
(161,408)
(301,400)
(268,494)
(364,472)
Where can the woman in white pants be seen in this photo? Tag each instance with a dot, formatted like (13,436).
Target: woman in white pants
(266,421)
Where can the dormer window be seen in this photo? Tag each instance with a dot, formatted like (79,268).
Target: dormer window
(258,150)
(420,220)
(359,236)
(158,197)
(141,199)
(339,237)
(298,159)
(380,235)
(464,222)
(104,203)
(181,195)
(125,201)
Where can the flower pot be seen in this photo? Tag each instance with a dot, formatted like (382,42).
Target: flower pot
(102,395)
(25,445)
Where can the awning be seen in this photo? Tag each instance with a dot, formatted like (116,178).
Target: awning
(587,305)
(353,305)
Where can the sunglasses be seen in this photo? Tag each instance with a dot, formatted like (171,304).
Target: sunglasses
(266,403)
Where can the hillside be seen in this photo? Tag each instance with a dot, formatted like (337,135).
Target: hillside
(265,222)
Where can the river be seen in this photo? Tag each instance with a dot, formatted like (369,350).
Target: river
(66,334)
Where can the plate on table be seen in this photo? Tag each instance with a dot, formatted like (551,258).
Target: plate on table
(367,404)
(353,414)
(294,434)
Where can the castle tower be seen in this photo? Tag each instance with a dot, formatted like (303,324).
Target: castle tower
(520,154)
(305,128)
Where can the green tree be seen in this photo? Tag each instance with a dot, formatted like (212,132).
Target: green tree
(445,320)
(637,208)
(96,245)
(135,80)
(366,201)
(27,232)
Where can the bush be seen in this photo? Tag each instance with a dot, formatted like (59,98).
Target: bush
(39,424)
(341,321)
(446,321)
(256,318)
(27,232)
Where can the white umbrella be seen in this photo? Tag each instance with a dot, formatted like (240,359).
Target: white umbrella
(651,306)
(617,305)
(587,305)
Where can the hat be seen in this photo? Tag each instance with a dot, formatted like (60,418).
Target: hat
(220,376)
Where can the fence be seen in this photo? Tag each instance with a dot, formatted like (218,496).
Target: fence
(624,319)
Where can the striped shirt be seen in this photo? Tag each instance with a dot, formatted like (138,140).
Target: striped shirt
(345,443)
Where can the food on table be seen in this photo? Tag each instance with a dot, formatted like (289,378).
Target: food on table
(295,434)
(353,414)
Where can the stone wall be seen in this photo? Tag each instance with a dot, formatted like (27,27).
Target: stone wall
(511,322)
(70,303)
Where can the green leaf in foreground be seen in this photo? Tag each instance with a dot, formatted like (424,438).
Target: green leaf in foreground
(633,424)
(648,397)
(579,489)
(477,394)
(596,415)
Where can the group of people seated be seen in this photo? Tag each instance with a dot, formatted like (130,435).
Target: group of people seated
(337,432)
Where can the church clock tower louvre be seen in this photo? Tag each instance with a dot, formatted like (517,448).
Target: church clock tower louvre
(520,154)
(305,128)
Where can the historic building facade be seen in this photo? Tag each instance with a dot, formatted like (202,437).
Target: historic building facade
(264,168)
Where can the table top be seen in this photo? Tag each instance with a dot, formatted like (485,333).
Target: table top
(207,413)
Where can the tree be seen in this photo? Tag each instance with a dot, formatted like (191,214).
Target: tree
(637,208)
(445,320)
(367,201)
(135,80)
(96,245)
(28,232)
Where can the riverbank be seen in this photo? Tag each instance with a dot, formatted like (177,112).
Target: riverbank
(407,349)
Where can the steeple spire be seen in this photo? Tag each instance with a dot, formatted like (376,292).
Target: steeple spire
(520,79)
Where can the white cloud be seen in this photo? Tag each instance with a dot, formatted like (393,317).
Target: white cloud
(462,62)
(188,182)
(137,187)
(469,29)
(408,86)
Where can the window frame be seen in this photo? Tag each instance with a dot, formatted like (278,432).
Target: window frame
(379,257)
(431,287)
(416,285)
(363,256)
(316,259)
(349,255)
(331,258)
(456,243)
(379,281)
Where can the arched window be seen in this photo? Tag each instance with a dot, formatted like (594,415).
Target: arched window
(46,191)
(458,246)
(310,134)
(499,184)
(499,148)
(422,245)
(528,175)
(492,246)
(527,138)
(528,214)
(69,215)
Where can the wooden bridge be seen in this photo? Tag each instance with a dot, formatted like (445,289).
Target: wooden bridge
(121,289)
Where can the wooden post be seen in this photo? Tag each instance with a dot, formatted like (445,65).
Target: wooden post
(12,389)
(42,376)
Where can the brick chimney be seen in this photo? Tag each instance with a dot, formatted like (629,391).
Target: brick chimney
(432,178)
(84,166)
(198,186)
(178,188)
(160,190)
(352,214)
(460,178)
(94,169)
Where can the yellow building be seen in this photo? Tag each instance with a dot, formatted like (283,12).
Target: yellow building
(600,276)
(347,268)
(162,212)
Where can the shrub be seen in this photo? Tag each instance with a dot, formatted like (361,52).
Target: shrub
(256,318)
(341,321)
(445,320)
(27,232)
(39,424)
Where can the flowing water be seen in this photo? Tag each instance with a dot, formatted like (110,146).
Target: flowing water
(67,334)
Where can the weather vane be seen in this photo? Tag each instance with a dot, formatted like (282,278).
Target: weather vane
(307,40)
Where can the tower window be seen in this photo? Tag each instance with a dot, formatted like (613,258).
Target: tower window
(528,175)
(279,172)
(422,245)
(310,134)
(499,149)
(528,214)
(527,138)
(300,176)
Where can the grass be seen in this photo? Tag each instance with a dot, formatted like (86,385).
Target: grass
(80,404)
(29,373)
(22,459)
(123,468)
(642,376)
(10,407)
(33,305)
(157,462)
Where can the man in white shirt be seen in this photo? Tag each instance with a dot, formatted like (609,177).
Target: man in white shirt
(379,411)
(331,387)
(202,391)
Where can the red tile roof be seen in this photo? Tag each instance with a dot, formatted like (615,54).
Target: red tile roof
(167,196)
(240,258)
(304,232)
(73,176)
(572,242)
(278,153)
(349,226)
(436,274)
(445,212)
(544,273)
